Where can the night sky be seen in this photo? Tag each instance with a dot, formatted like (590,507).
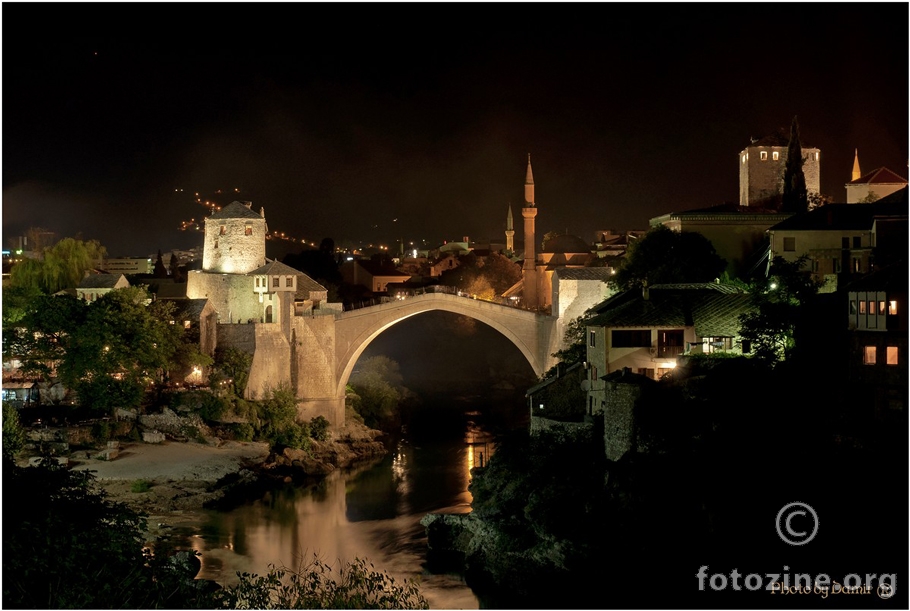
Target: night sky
(378,122)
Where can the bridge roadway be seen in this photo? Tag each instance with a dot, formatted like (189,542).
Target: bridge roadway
(533,334)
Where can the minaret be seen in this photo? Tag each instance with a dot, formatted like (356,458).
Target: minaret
(529,266)
(856,172)
(510,232)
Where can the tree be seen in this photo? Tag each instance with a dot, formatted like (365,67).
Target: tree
(41,335)
(664,256)
(778,301)
(121,347)
(377,383)
(69,547)
(574,345)
(13,431)
(234,364)
(483,277)
(160,270)
(795,197)
(61,266)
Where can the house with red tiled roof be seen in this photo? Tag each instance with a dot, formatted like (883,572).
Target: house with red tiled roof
(874,186)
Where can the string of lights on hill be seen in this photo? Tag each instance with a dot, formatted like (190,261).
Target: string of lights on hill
(215,202)
(221,197)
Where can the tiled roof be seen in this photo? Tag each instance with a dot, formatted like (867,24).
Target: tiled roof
(374,269)
(584,273)
(100,281)
(306,286)
(879,176)
(712,312)
(275,268)
(841,216)
(189,309)
(890,278)
(236,210)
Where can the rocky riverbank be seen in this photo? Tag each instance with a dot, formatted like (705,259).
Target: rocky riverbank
(173,481)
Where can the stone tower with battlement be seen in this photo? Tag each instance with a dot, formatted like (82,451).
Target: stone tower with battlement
(761,170)
(234,240)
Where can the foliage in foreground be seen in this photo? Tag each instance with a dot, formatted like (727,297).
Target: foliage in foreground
(356,585)
(67,546)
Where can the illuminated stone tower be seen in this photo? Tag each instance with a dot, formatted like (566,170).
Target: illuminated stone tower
(529,266)
(510,233)
(234,240)
(856,172)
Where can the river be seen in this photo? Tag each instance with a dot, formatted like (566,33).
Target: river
(372,512)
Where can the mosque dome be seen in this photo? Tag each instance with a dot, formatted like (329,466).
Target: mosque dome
(565,244)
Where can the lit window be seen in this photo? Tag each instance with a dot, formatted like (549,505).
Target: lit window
(789,244)
(891,355)
(881,308)
(775,155)
(855,265)
(862,307)
(276,281)
(892,307)
(249,230)
(764,155)
(186,324)
(869,355)
(872,307)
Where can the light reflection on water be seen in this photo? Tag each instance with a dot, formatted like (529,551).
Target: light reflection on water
(372,513)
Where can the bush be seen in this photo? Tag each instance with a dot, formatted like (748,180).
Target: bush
(141,485)
(242,431)
(319,428)
(80,529)
(13,431)
(101,431)
(357,586)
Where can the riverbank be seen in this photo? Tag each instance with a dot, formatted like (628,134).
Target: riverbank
(173,481)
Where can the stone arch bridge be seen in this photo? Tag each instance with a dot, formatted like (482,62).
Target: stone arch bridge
(535,336)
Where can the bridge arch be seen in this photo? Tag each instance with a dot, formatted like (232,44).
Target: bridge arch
(531,333)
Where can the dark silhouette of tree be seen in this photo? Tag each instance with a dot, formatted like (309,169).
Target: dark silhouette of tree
(320,265)
(160,270)
(664,256)
(176,271)
(795,197)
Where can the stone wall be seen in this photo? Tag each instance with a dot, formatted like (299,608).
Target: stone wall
(232,251)
(619,420)
(271,352)
(574,429)
(232,296)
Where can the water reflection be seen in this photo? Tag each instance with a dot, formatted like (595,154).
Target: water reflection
(371,513)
